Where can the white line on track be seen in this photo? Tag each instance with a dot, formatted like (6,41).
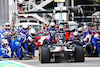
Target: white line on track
(21,63)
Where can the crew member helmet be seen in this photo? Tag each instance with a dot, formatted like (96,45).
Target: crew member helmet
(24,27)
(75,34)
(7,25)
(96,35)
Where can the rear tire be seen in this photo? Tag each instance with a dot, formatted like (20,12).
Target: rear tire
(44,54)
(79,54)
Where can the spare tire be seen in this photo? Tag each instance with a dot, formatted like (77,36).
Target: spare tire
(89,50)
(79,54)
(44,54)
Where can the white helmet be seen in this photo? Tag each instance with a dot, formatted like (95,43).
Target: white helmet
(29,40)
(87,39)
(52,24)
(73,29)
(96,35)
(32,32)
(25,27)
(75,34)
(80,30)
(7,25)
(85,28)
(4,42)
(60,26)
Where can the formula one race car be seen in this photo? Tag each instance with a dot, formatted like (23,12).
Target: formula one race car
(61,51)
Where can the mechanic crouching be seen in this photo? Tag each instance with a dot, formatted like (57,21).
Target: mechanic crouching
(4,50)
(52,32)
(96,43)
(87,45)
(7,35)
(87,40)
(86,31)
(17,49)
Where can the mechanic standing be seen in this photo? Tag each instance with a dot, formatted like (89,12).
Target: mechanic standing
(61,34)
(23,38)
(76,39)
(86,31)
(96,43)
(94,29)
(52,32)
(31,42)
(71,33)
(80,33)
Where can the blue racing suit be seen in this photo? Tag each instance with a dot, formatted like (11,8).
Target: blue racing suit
(96,42)
(24,36)
(86,33)
(8,38)
(16,46)
(1,37)
(3,52)
(61,35)
(52,33)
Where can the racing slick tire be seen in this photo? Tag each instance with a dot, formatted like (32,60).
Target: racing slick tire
(79,54)
(44,54)
(89,50)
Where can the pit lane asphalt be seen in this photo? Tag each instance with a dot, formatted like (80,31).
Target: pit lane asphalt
(89,62)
